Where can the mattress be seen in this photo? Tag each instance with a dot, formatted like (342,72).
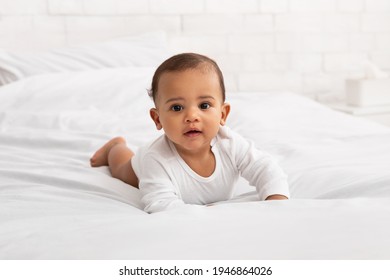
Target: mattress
(54,205)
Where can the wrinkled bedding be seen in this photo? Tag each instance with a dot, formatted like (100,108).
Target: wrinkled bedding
(53,205)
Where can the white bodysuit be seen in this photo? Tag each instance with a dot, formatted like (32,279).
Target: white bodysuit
(166,181)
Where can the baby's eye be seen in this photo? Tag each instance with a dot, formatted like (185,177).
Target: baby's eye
(177,108)
(204,106)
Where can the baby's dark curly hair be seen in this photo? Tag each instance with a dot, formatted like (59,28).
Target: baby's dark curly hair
(182,62)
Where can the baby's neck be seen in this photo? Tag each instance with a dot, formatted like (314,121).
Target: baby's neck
(201,163)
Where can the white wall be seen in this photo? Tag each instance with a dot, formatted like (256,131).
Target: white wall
(309,46)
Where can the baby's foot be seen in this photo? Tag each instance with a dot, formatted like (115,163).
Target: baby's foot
(100,157)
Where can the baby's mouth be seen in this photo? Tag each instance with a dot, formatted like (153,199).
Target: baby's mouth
(192,133)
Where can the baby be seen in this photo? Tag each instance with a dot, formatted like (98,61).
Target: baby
(198,159)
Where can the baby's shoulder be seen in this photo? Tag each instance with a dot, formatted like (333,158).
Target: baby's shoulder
(227,137)
(159,149)
(230,143)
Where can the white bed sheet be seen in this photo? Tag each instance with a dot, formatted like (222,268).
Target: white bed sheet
(53,205)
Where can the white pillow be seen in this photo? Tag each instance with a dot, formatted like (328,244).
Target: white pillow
(142,50)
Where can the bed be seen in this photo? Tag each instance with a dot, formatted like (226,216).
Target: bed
(53,205)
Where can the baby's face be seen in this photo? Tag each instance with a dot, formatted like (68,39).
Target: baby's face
(190,109)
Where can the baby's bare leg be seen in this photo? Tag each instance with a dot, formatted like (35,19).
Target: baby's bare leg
(117,156)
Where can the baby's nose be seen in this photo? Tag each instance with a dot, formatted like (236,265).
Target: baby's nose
(192,115)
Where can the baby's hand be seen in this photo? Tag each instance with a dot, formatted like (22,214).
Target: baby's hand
(276,197)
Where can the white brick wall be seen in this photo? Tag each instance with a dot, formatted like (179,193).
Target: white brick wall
(309,46)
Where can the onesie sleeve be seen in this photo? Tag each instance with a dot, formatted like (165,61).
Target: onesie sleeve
(259,168)
(157,190)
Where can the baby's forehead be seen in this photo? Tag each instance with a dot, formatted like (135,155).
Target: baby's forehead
(171,81)
(205,77)
(177,76)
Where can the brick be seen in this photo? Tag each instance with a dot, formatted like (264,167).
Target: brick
(382,41)
(231,6)
(37,41)
(277,61)
(229,63)
(345,62)
(176,7)
(250,44)
(231,83)
(317,82)
(68,7)
(381,59)
(31,32)
(306,62)
(289,42)
(207,45)
(270,81)
(377,22)
(115,7)
(325,42)
(378,6)
(85,29)
(257,24)
(49,24)
(312,5)
(23,7)
(299,22)
(148,23)
(212,24)
(253,63)
(272,6)
(341,22)
(40,40)
(350,5)
(15,24)
(362,41)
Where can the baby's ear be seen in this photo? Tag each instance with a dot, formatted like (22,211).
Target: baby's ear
(156,118)
(225,110)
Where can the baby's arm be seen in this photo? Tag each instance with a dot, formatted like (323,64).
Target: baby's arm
(156,186)
(261,170)
(117,156)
